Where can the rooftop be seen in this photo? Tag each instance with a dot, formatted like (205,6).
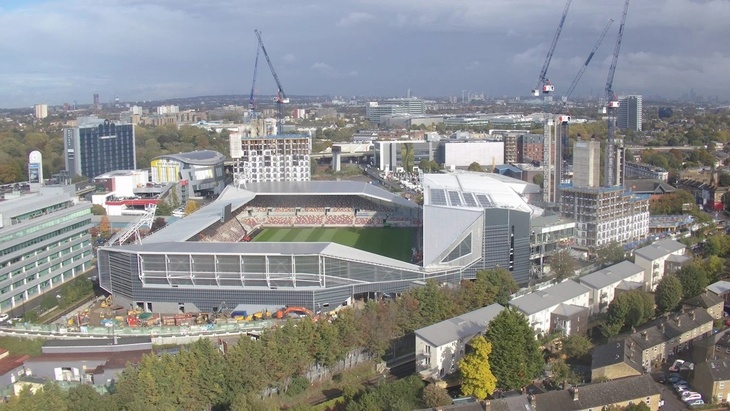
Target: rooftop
(463,326)
(549,297)
(611,275)
(595,396)
(200,157)
(660,249)
(720,287)
(719,370)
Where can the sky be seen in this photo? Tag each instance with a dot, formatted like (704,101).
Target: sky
(58,51)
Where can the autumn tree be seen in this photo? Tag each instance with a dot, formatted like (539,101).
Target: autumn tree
(576,345)
(477,379)
(668,294)
(158,223)
(611,253)
(516,358)
(191,207)
(105,226)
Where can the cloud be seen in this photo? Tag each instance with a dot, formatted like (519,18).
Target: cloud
(354,19)
(326,70)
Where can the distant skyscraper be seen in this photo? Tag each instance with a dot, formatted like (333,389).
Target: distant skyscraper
(41,111)
(97,146)
(629,113)
(586,164)
(97,102)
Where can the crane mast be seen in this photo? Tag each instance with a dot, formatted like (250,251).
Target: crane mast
(547,87)
(251,99)
(281,97)
(611,174)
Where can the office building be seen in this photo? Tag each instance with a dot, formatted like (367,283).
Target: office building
(44,242)
(41,111)
(283,157)
(605,214)
(629,113)
(586,164)
(389,154)
(375,112)
(96,146)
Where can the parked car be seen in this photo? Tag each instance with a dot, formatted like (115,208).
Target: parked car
(661,378)
(679,383)
(677,365)
(692,397)
(674,377)
(696,402)
(4,317)
(687,394)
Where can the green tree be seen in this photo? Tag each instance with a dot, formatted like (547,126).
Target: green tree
(475,167)
(85,398)
(576,345)
(98,209)
(611,253)
(693,278)
(538,179)
(435,396)
(163,209)
(477,379)
(516,357)
(668,294)
(502,283)
(562,372)
(562,265)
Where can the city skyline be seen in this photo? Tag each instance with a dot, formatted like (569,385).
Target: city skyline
(160,49)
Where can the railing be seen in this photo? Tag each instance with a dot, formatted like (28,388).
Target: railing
(61,331)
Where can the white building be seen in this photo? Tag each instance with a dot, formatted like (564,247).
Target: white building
(461,154)
(440,346)
(587,164)
(168,109)
(664,256)
(604,283)
(41,111)
(547,309)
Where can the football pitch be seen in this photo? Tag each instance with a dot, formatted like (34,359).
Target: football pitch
(389,241)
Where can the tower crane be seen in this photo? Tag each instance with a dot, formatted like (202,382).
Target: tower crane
(542,81)
(252,99)
(611,173)
(578,76)
(281,97)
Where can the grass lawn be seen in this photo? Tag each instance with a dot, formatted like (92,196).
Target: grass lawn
(389,241)
(21,346)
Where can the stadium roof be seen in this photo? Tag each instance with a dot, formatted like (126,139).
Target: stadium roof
(344,187)
(477,190)
(200,157)
(269,248)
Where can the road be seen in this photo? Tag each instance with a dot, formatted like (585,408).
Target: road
(35,303)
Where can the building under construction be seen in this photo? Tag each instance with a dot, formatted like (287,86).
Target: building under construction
(605,214)
(283,157)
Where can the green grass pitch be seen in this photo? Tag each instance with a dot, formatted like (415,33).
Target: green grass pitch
(393,242)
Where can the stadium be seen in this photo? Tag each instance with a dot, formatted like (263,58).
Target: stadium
(321,244)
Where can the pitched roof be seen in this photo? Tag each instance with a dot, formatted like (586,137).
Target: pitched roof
(720,287)
(616,352)
(704,300)
(466,325)
(11,362)
(665,329)
(649,186)
(718,370)
(611,275)
(660,249)
(598,395)
(549,297)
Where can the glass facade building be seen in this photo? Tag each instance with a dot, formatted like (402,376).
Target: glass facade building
(44,242)
(98,146)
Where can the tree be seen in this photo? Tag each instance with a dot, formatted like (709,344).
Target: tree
(105,226)
(191,207)
(435,396)
(611,253)
(163,209)
(668,294)
(501,282)
(98,209)
(475,167)
(630,309)
(562,264)
(693,278)
(515,359)
(576,345)
(562,372)
(158,223)
(477,379)
(539,180)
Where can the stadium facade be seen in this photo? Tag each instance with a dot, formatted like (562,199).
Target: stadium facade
(204,260)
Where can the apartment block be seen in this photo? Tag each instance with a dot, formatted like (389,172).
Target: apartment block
(283,157)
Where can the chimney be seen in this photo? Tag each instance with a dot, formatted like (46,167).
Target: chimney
(661,328)
(646,335)
(574,393)
(679,322)
(692,315)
